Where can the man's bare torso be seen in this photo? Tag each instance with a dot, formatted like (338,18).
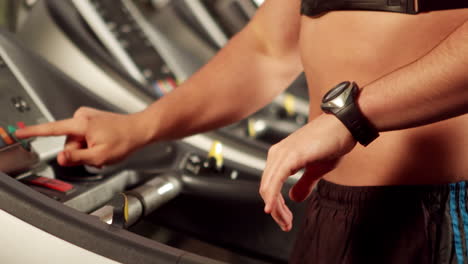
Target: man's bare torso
(364,46)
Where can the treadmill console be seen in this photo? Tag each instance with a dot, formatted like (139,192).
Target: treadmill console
(121,29)
(18,108)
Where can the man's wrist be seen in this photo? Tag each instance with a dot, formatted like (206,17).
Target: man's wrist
(372,107)
(339,131)
(144,125)
(341,101)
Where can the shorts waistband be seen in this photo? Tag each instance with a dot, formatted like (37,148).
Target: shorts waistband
(317,7)
(367,195)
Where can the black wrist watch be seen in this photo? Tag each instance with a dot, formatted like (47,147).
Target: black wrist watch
(341,102)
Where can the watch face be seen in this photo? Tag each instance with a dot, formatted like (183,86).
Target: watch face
(334,92)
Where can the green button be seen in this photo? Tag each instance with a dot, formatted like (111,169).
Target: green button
(11,129)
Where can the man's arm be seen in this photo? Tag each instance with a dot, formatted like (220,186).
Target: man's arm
(431,89)
(253,68)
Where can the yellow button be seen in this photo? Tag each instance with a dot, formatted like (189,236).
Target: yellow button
(251,128)
(216,152)
(290,104)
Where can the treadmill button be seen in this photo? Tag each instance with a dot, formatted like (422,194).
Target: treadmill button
(289,105)
(11,130)
(215,157)
(5,137)
(51,193)
(172,82)
(20,125)
(49,183)
(20,104)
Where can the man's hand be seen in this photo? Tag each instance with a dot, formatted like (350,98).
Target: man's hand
(317,147)
(94,137)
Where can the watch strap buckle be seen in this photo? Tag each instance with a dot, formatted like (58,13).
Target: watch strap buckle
(412,6)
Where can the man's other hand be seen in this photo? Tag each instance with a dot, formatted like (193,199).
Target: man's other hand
(317,147)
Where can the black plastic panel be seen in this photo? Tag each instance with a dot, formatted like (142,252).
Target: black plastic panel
(49,83)
(15,103)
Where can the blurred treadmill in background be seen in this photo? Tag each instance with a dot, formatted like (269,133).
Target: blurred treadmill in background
(214,22)
(217,21)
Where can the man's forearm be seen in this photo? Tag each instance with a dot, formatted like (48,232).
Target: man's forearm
(433,88)
(252,69)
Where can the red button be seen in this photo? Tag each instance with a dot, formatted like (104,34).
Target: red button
(172,82)
(20,124)
(49,183)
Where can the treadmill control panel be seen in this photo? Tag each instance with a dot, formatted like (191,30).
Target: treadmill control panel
(126,40)
(17,110)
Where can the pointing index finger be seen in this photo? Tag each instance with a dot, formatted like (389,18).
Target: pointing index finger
(71,126)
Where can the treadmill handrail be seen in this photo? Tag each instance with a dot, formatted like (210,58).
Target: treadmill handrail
(86,231)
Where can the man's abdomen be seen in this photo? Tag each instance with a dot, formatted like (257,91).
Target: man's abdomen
(364,46)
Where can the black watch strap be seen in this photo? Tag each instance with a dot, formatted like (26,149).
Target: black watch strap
(361,129)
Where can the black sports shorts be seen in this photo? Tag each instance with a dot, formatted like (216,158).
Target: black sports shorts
(384,224)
